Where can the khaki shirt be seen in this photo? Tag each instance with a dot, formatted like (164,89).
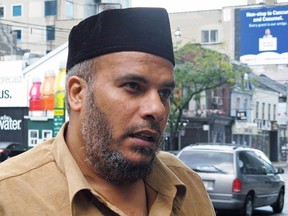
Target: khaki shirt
(47,181)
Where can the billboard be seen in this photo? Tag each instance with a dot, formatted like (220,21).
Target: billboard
(13,86)
(264,35)
(13,126)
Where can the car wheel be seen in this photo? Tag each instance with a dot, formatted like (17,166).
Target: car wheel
(248,207)
(279,204)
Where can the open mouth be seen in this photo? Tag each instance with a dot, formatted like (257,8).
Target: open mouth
(151,137)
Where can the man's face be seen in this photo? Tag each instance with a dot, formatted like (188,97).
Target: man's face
(126,111)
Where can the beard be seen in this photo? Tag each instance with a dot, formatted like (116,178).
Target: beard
(108,163)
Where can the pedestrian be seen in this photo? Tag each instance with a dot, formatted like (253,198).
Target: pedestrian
(106,160)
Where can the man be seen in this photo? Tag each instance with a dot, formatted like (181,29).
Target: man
(267,33)
(105,160)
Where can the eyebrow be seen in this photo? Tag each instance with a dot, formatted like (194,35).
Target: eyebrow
(131,77)
(137,78)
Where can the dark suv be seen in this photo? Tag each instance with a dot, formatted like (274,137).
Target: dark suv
(236,178)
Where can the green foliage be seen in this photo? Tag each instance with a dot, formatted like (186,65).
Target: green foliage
(197,69)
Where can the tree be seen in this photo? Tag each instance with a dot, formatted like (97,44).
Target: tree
(197,69)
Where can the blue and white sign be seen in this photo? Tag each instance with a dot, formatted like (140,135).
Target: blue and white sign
(264,35)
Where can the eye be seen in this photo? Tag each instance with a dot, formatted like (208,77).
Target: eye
(165,94)
(132,86)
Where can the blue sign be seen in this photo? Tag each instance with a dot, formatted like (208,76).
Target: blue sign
(264,35)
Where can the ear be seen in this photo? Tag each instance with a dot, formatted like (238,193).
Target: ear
(76,93)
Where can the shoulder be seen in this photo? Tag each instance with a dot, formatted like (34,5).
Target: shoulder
(169,159)
(27,162)
(176,165)
(32,184)
(193,184)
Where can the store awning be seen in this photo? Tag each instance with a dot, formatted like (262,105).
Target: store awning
(244,128)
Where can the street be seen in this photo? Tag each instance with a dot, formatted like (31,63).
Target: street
(267,211)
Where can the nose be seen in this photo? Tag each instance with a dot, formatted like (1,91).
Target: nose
(153,107)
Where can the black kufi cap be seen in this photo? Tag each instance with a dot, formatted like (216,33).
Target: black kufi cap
(132,29)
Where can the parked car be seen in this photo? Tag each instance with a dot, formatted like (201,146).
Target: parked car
(174,152)
(236,178)
(10,149)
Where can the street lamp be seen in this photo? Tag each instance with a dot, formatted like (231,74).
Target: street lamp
(177,35)
(181,132)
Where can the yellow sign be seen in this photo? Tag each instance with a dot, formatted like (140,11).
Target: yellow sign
(59,112)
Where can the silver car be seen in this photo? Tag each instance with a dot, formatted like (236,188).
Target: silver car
(236,178)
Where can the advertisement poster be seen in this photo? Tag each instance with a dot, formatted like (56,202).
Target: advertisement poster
(264,35)
(13,126)
(13,86)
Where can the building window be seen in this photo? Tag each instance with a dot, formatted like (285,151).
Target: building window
(69,9)
(245,105)
(46,134)
(214,36)
(263,111)
(17,10)
(33,136)
(17,34)
(198,104)
(257,110)
(209,36)
(205,37)
(50,33)
(50,8)
(237,103)
(2,12)
(269,111)
(274,112)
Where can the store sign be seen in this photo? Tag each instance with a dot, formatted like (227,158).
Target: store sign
(59,119)
(8,123)
(244,128)
(13,126)
(241,115)
(282,114)
(13,91)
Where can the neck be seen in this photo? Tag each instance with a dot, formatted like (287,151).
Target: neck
(129,198)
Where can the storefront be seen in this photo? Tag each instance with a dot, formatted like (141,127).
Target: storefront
(243,132)
(46,93)
(213,129)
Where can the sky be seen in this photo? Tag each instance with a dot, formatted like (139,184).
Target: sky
(191,5)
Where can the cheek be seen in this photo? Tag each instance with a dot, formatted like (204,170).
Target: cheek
(109,102)
(124,112)
(119,114)
(164,122)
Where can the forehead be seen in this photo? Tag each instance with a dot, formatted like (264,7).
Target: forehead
(115,64)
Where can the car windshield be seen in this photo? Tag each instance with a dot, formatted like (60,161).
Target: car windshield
(3,144)
(208,162)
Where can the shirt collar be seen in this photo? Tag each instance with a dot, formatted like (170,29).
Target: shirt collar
(166,183)
(68,166)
